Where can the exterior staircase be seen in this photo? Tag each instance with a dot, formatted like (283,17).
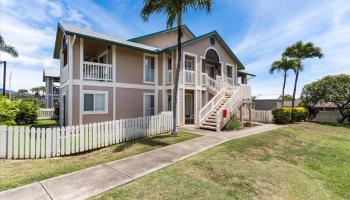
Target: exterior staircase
(210,121)
(228,98)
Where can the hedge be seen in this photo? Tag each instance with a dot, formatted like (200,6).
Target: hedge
(289,115)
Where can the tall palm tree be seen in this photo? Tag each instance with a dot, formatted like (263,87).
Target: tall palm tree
(7,48)
(283,65)
(174,9)
(301,52)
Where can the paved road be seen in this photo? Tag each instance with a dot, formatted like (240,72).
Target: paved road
(92,181)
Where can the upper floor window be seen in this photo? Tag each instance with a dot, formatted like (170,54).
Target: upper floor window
(149,68)
(212,55)
(229,71)
(188,65)
(169,63)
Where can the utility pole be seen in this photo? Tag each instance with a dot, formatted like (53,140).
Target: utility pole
(4,80)
(10,85)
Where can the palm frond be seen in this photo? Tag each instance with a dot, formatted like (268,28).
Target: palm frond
(7,48)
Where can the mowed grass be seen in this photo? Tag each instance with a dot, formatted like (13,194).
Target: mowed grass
(299,161)
(14,173)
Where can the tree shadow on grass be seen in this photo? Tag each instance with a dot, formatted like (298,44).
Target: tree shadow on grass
(155,141)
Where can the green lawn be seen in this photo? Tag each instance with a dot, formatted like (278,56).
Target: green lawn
(300,161)
(14,173)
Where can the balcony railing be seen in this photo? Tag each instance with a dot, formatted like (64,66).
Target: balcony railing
(97,71)
(190,77)
(168,77)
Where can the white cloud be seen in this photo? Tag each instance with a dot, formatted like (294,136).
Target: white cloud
(268,36)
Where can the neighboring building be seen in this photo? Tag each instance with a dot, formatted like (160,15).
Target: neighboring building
(107,78)
(50,77)
(266,102)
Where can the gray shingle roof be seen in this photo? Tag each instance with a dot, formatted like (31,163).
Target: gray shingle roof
(72,29)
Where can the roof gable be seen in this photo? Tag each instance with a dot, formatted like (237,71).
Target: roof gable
(183,27)
(210,34)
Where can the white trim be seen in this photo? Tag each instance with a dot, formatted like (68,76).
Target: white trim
(143,67)
(114,78)
(94,92)
(70,78)
(144,101)
(104,53)
(81,106)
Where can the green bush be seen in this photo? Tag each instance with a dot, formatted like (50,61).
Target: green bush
(281,115)
(232,125)
(289,115)
(299,114)
(18,112)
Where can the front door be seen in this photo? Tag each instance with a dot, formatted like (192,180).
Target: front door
(211,71)
(189,118)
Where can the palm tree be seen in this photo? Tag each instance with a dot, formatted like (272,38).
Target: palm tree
(174,9)
(283,65)
(301,52)
(7,48)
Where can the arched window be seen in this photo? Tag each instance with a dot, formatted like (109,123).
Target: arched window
(212,55)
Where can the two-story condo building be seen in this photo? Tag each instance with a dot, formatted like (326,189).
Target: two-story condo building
(105,78)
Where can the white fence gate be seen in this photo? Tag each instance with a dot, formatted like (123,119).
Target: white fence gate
(47,113)
(20,142)
(263,116)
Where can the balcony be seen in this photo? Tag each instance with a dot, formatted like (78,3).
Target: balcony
(190,77)
(168,77)
(97,71)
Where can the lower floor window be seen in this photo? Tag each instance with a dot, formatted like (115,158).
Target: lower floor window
(148,104)
(95,102)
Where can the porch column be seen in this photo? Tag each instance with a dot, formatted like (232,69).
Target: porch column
(114,78)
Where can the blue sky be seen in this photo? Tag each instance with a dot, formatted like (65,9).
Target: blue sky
(257,31)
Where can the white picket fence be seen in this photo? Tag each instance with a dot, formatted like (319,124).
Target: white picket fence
(47,113)
(23,143)
(263,116)
(327,116)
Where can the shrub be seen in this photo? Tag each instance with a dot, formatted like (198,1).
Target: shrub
(27,112)
(232,125)
(299,114)
(281,115)
(17,112)
(57,109)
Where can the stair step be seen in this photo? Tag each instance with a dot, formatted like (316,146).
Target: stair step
(206,123)
(211,120)
(208,127)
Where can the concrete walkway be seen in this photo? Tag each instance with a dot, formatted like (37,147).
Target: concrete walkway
(94,180)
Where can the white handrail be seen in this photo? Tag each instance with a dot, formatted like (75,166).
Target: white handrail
(203,113)
(230,106)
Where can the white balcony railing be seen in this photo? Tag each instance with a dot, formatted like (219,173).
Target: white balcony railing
(64,74)
(190,77)
(168,77)
(97,71)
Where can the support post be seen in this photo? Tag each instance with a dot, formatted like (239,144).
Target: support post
(4,80)
(241,113)
(250,113)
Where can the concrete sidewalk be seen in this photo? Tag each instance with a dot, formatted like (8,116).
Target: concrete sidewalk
(94,180)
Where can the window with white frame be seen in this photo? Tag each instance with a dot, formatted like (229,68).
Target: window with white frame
(149,68)
(95,101)
(229,71)
(188,65)
(148,104)
(169,63)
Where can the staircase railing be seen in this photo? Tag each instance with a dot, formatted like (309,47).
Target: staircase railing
(230,105)
(205,111)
